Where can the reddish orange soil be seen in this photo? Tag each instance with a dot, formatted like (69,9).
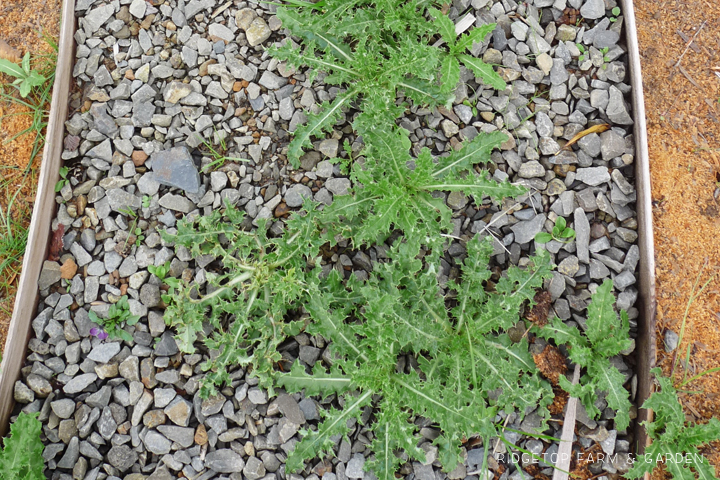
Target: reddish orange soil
(682,87)
(22,24)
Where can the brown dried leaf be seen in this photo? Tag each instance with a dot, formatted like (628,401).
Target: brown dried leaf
(72,142)
(539,312)
(594,129)
(551,363)
(56,243)
(9,53)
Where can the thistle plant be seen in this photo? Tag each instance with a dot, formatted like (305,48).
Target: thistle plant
(382,53)
(672,438)
(399,341)
(606,335)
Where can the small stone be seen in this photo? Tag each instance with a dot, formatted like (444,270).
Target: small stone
(63,408)
(532,169)
(338,186)
(224,461)
(103,352)
(290,409)
(150,295)
(167,346)
(22,393)
(68,269)
(72,452)
(176,203)
(449,128)
(50,274)
(137,8)
(593,176)
(39,385)
(257,396)
(569,266)
(457,200)
(179,411)
(176,91)
(257,32)
(157,443)
(254,469)
(182,436)
(617,109)
(295,195)
(593,9)
(354,467)
(329,147)
(79,383)
(122,457)
(525,231)
(201,436)
(671,340)
(582,235)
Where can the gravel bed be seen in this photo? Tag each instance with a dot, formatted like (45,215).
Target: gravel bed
(156,83)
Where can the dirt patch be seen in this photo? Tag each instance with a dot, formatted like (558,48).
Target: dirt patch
(22,26)
(682,88)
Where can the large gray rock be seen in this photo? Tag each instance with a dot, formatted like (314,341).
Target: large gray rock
(175,168)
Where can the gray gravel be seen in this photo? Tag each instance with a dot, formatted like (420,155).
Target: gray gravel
(190,76)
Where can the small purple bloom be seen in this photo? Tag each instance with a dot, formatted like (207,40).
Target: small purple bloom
(99,333)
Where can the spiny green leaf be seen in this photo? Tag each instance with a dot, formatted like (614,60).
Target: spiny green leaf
(315,443)
(444,25)
(474,152)
(319,383)
(21,459)
(317,124)
(449,72)
(476,35)
(484,72)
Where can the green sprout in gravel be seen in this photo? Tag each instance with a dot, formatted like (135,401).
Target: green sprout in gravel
(118,314)
(560,232)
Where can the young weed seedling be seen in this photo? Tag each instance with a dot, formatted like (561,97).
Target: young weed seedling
(615,13)
(581,47)
(26,78)
(63,179)
(134,229)
(218,155)
(118,314)
(560,232)
(160,271)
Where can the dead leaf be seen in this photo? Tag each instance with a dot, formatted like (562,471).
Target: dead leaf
(56,243)
(9,53)
(594,129)
(68,269)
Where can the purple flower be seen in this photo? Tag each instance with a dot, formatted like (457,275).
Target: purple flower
(99,333)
